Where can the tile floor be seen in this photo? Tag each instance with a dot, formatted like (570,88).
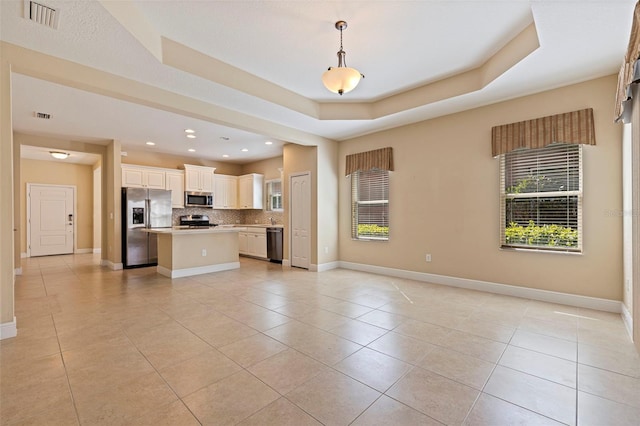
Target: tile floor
(267,346)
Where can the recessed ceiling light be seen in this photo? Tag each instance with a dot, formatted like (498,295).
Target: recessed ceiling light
(191,136)
(191,150)
(244,150)
(268,143)
(150,143)
(225,156)
(189,131)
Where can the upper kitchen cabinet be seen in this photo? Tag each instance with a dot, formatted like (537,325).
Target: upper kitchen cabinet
(175,183)
(226,192)
(142,177)
(198,178)
(250,191)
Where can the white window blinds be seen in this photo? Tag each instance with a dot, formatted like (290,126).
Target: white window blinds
(370,204)
(541,198)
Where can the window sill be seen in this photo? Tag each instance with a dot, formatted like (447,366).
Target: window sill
(547,251)
(370,239)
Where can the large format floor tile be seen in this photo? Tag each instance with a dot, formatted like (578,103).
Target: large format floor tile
(266,345)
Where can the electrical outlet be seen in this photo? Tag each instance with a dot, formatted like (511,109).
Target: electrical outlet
(204,252)
(326,250)
(427,258)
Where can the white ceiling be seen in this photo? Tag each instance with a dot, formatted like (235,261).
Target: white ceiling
(398,45)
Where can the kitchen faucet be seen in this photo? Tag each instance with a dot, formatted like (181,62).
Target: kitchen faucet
(273,222)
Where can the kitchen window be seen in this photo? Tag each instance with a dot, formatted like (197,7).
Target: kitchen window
(370,204)
(274,195)
(541,198)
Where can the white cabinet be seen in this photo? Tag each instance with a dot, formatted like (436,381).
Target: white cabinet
(142,177)
(175,183)
(257,244)
(250,191)
(253,242)
(243,243)
(226,192)
(198,178)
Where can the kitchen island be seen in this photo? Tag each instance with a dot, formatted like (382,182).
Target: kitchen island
(184,252)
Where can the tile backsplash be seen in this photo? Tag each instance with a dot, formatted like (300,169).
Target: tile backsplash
(230,216)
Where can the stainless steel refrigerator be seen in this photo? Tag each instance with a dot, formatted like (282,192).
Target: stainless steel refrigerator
(143,208)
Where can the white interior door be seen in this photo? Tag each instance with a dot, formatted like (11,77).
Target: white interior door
(300,220)
(50,219)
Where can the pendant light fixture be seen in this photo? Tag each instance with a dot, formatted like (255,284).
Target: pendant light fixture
(341,79)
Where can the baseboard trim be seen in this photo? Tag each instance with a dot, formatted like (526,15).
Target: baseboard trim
(509,290)
(327,266)
(17,271)
(286,263)
(23,255)
(627,319)
(8,329)
(109,264)
(188,272)
(97,250)
(83,251)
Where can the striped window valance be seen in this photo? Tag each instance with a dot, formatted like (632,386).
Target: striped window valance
(574,127)
(377,159)
(629,72)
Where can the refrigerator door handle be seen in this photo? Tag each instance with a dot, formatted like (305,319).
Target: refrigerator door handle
(147,213)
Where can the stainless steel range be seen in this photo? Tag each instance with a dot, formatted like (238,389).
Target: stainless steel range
(196,221)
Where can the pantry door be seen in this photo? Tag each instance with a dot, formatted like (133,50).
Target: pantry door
(300,219)
(50,219)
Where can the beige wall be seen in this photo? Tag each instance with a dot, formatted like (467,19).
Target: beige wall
(156,159)
(59,173)
(268,168)
(327,202)
(444,198)
(7,236)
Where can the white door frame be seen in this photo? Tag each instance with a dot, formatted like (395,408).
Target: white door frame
(291,176)
(75,213)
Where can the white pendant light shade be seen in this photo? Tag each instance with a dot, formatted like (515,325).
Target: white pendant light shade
(341,79)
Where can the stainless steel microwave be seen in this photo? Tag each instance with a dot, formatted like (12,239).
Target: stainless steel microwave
(198,199)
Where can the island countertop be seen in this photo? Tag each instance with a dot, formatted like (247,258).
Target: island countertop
(176,230)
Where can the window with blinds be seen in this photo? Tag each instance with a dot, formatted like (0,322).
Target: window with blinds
(370,204)
(274,195)
(541,198)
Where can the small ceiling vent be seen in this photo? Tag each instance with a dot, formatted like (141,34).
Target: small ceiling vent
(42,115)
(41,14)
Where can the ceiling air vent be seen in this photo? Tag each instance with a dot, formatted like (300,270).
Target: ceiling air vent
(42,115)
(41,14)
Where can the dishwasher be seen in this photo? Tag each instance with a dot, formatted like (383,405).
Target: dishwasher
(274,244)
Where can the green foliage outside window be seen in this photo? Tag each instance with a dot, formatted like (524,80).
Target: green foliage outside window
(375,231)
(544,235)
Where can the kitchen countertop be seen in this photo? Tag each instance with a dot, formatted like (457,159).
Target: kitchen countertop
(250,225)
(182,230)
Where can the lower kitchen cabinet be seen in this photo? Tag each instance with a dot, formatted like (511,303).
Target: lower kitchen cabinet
(253,242)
